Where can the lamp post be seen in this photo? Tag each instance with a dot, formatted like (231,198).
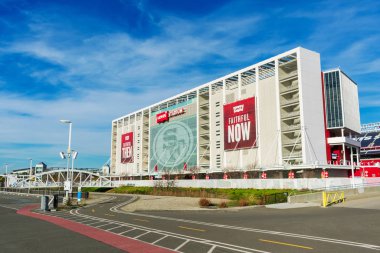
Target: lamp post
(65,121)
(30,172)
(73,157)
(6,175)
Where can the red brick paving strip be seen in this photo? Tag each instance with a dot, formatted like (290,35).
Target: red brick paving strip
(117,241)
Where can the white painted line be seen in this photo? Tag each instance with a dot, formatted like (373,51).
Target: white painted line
(103,225)
(13,208)
(113,228)
(141,235)
(211,249)
(181,245)
(300,236)
(156,241)
(90,224)
(127,231)
(76,218)
(184,237)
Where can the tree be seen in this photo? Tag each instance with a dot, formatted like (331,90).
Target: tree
(253,170)
(229,170)
(195,170)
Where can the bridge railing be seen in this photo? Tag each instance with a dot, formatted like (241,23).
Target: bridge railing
(60,193)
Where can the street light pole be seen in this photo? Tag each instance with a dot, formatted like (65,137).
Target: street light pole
(73,157)
(30,173)
(68,156)
(6,175)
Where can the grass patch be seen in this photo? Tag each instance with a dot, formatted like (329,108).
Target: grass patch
(236,197)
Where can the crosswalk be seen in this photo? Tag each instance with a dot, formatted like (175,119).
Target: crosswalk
(164,239)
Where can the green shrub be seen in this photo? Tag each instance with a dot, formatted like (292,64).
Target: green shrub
(243,202)
(223,204)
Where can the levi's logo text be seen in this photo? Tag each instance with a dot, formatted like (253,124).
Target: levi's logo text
(238,108)
(239,124)
(164,116)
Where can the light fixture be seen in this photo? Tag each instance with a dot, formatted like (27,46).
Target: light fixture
(74,154)
(62,154)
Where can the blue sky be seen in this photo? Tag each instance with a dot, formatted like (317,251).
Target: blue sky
(93,61)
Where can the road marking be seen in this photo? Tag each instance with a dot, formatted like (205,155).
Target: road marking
(182,244)
(141,220)
(141,235)
(194,229)
(156,241)
(127,231)
(286,244)
(92,223)
(104,225)
(114,228)
(261,231)
(211,249)
(236,248)
(122,243)
(9,207)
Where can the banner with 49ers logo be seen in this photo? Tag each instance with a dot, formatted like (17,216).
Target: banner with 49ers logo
(240,124)
(173,137)
(127,148)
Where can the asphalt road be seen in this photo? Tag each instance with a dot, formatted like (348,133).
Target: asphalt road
(312,229)
(20,234)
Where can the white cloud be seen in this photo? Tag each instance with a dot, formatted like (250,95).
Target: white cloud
(102,68)
(91,115)
(118,60)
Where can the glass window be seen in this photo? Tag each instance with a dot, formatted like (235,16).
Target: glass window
(333,100)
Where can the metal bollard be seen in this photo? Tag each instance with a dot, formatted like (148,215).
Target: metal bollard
(45,203)
(55,201)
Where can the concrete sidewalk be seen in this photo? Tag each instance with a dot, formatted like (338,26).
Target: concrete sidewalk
(167,203)
(367,202)
(292,205)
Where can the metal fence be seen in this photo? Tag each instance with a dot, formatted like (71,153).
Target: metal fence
(275,198)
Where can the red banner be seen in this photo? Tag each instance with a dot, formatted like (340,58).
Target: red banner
(239,124)
(162,117)
(127,148)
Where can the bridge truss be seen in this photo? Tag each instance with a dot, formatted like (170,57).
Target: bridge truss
(56,178)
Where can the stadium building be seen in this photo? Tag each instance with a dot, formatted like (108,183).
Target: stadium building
(370,151)
(282,117)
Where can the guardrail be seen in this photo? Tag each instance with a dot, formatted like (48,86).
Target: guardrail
(329,198)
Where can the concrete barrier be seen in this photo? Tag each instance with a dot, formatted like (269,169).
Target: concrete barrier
(298,183)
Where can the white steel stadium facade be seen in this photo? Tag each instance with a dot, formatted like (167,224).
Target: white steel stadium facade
(266,119)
